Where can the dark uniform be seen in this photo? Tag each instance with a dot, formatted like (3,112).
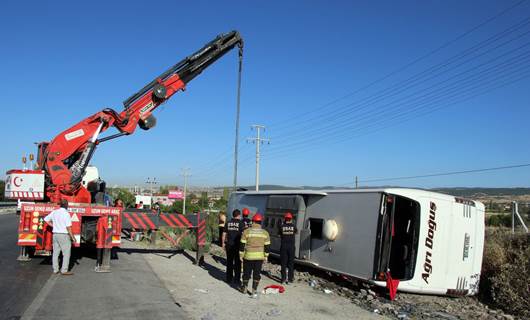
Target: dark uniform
(246,223)
(287,247)
(233,229)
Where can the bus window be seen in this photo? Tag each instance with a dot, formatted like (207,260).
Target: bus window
(316,225)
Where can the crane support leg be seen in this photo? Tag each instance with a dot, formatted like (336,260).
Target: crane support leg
(23,256)
(103,260)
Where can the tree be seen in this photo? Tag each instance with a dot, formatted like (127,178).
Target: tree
(124,195)
(164,190)
(220,204)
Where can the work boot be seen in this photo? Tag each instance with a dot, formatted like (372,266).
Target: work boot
(255,284)
(243,287)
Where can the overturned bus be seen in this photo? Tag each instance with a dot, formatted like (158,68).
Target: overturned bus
(429,242)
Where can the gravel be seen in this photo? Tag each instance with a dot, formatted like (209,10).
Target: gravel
(405,306)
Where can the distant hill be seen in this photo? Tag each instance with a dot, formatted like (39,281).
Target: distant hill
(469,192)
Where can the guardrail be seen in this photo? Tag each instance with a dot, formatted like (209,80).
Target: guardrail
(7,204)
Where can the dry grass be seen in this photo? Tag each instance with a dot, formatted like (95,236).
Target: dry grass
(505,280)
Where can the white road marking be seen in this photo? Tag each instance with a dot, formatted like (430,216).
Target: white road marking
(35,305)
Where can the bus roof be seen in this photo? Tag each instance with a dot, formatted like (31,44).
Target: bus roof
(325,192)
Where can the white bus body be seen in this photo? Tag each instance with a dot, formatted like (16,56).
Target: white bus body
(431,242)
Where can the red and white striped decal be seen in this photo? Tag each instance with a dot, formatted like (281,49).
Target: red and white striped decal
(139,220)
(131,220)
(25,239)
(26,195)
(148,221)
(166,220)
(201,232)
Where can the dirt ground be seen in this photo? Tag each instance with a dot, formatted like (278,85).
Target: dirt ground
(202,293)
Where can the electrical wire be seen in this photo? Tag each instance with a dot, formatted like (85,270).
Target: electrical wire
(411,82)
(405,67)
(456,87)
(442,174)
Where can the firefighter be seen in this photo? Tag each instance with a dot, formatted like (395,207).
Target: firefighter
(287,233)
(254,249)
(233,231)
(246,221)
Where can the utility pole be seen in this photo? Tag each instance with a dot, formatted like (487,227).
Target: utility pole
(151,184)
(258,140)
(185,173)
(356,182)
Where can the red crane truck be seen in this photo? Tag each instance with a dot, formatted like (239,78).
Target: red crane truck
(62,163)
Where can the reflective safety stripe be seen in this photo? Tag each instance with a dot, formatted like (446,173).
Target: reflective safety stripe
(254,241)
(254,255)
(257,235)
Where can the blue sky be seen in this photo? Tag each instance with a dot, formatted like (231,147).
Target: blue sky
(63,62)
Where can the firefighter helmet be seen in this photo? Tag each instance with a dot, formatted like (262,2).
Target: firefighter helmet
(256,217)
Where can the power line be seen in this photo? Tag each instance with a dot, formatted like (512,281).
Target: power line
(417,77)
(427,98)
(401,118)
(406,66)
(411,82)
(443,173)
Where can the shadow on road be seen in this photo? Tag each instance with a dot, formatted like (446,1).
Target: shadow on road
(78,254)
(159,252)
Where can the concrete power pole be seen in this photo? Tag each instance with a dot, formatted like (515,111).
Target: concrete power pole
(151,184)
(258,140)
(185,173)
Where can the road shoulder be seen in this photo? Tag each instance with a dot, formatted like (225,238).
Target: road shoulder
(203,294)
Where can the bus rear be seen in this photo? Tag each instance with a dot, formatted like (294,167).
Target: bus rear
(432,243)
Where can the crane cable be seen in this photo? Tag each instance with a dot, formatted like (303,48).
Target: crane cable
(238,108)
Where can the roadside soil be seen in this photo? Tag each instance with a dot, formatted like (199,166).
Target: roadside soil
(202,293)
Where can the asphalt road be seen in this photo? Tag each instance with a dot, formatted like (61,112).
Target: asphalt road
(30,291)
(19,282)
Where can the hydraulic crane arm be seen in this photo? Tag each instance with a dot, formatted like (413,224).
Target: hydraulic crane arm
(66,157)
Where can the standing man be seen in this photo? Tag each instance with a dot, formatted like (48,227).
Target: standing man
(287,232)
(254,249)
(246,220)
(233,231)
(222,230)
(60,221)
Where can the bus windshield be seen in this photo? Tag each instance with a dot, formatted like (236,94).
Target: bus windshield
(398,236)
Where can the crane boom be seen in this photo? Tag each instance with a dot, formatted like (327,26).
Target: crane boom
(66,157)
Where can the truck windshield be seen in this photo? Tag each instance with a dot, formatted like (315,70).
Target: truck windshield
(398,236)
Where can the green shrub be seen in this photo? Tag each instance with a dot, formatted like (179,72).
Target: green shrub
(505,278)
(499,220)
